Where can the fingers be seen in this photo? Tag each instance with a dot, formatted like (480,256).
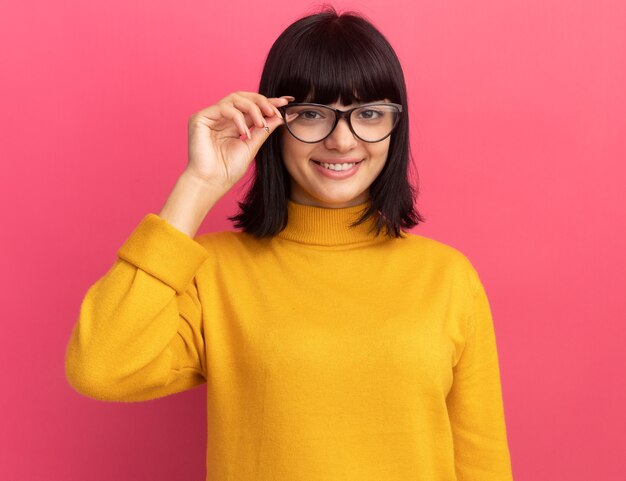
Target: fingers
(258,109)
(258,106)
(244,110)
(255,110)
(238,118)
(259,136)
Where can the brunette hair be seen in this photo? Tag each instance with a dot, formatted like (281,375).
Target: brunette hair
(322,58)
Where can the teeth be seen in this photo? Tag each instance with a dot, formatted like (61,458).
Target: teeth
(337,166)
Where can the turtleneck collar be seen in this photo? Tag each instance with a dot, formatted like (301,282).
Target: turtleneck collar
(314,225)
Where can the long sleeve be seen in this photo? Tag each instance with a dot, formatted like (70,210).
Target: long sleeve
(139,334)
(475,402)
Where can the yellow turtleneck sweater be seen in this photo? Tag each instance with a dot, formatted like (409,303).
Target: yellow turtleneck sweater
(329,354)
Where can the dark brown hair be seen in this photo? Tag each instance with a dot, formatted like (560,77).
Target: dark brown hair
(326,57)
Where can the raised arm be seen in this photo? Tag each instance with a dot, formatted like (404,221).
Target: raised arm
(140,331)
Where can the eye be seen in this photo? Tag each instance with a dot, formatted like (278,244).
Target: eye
(369,114)
(310,114)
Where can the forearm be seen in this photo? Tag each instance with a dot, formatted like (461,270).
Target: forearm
(189,203)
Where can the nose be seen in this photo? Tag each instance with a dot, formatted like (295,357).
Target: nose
(342,138)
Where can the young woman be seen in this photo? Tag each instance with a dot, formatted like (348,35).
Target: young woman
(334,344)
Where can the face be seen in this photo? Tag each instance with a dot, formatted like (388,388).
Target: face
(314,184)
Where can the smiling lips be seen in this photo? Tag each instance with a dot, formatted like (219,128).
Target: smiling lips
(337,168)
(337,164)
(351,160)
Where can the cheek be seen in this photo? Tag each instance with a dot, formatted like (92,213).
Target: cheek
(285,151)
(294,153)
(380,151)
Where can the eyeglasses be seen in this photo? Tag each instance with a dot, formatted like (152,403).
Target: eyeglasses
(311,122)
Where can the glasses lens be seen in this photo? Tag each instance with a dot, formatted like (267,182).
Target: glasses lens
(310,123)
(374,122)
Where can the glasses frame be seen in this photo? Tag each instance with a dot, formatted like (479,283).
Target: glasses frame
(340,114)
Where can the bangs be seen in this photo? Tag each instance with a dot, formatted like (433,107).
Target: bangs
(330,65)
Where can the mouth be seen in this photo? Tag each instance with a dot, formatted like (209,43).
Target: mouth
(337,167)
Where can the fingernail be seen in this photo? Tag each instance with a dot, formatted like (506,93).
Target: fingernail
(287,97)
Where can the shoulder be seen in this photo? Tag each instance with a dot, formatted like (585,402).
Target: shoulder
(438,256)
(433,248)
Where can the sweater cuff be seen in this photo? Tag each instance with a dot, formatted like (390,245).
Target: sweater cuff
(161,250)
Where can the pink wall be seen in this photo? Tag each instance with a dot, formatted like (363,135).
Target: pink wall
(518,121)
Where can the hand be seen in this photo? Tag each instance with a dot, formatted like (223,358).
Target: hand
(217,153)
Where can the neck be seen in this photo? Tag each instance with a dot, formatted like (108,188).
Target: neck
(309,224)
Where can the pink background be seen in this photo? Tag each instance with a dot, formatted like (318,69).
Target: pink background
(518,122)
